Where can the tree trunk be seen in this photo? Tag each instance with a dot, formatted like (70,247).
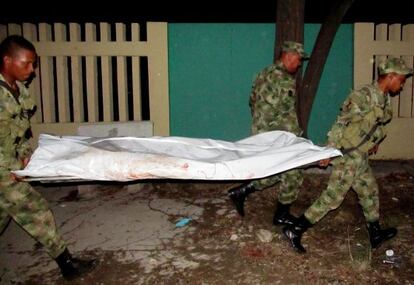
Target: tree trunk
(290,16)
(317,61)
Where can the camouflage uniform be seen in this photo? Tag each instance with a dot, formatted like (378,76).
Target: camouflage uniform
(273,107)
(19,200)
(362,119)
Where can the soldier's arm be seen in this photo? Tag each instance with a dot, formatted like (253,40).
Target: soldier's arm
(387,115)
(324,162)
(5,117)
(355,108)
(351,112)
(4,132)
(24,152)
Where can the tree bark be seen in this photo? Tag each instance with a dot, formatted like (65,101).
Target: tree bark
(317,61)
(290,15)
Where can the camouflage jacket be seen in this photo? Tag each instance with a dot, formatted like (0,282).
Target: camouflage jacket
(360,113)
(14,126)
(273,100)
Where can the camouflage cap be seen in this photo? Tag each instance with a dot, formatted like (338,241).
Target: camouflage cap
(296,47)
(394,65)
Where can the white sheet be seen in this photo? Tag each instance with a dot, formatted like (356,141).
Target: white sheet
(131,158)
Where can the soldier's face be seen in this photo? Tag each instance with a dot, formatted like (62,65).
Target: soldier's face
(397,82)
(292,62)
(21,65)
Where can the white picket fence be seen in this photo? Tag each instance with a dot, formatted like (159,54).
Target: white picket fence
(92,74)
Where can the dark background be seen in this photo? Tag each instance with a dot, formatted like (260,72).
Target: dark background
(243,11)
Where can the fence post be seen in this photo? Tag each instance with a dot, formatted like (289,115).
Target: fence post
(158,77)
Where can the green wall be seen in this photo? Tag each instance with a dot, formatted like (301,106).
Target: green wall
(336,80)
(212,67)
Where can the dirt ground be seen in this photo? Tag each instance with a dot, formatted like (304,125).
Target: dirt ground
(220,247)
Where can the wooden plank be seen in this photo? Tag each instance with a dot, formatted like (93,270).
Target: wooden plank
(91,76)
(387,47)
(3,32)
(46,74)
(363,63)
(406,96)
(394,36)
(121,75)
(394,32)
(106,76)
(76,76)
(158,77)
(30,33)
(381,32)
(399,141)
(62,77)
(94,48)
(15,29)
(136,76)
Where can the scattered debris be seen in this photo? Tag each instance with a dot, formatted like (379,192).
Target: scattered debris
(264,235)
(182,222)
(234,237)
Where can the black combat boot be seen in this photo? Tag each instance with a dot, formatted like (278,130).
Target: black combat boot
(282,215)
(377,236)
(73,268)
(238,196)
(294,233)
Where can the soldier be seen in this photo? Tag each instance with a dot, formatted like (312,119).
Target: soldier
(18,200)
(272,104)
(358,131)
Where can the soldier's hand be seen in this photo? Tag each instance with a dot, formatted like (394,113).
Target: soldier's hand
(15,178)
(324,162)
(25,161)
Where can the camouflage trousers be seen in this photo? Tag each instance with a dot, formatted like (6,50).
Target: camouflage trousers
(19,201)
(351,170)
(290,181)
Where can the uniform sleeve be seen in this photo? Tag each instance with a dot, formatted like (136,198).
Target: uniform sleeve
(25,150)
(379,135)
(335,136)
(355,108)
(352,118)
(5,131)
(387,114)
(5,117)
